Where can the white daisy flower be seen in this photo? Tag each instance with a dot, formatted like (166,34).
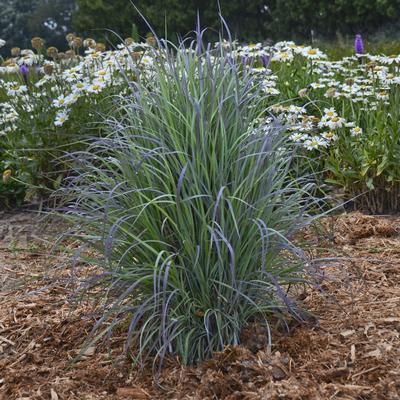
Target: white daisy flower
(298,137)
(329,136)
(314,143)
(335,123)
(16,89)
(357,131)
(60,101)
(95,87)
(61,118)
(282,56)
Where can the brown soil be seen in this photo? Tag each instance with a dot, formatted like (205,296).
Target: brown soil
(352,353)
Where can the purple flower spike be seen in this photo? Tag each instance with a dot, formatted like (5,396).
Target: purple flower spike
(265,59)
(24,69)
(358,44)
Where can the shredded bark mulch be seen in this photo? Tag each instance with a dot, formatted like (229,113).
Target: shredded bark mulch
(353,352)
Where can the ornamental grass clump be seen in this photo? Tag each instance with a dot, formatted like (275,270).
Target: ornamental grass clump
(191,203)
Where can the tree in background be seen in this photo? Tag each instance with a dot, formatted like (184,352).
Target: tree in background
(251,20)
(328,18)
(20,20)
(94,17)
(248,19)
(13,18)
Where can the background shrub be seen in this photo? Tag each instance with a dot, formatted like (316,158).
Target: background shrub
(21,20)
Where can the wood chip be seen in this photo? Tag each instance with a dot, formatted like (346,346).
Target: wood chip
(353,353)
(132,393)
(89,351)
(351,388)
(390,319)
(278,373)
(53,394)
(368,327)
(347,333)
(365,372)
(374,353)
(3,339)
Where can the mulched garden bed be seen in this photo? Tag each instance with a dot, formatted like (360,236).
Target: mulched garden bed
(352,352)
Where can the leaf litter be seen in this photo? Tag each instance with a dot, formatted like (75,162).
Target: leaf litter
(353,352)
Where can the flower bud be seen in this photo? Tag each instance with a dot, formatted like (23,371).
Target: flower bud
(330,92)
(24,69)
(303,92)
(6,176)
(358,44)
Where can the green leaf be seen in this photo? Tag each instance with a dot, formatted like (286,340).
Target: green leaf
(382,165)
(57,182)
(370,184)
(364,170)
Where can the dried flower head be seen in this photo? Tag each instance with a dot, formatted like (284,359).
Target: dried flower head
(70,37)
(136,55)
(61,56)
(128,41)
(48,69)
(37,43)
(52,52)
(100,47)
(89,43)
(70,54)
(15,51)
(77,42)
(151,40)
